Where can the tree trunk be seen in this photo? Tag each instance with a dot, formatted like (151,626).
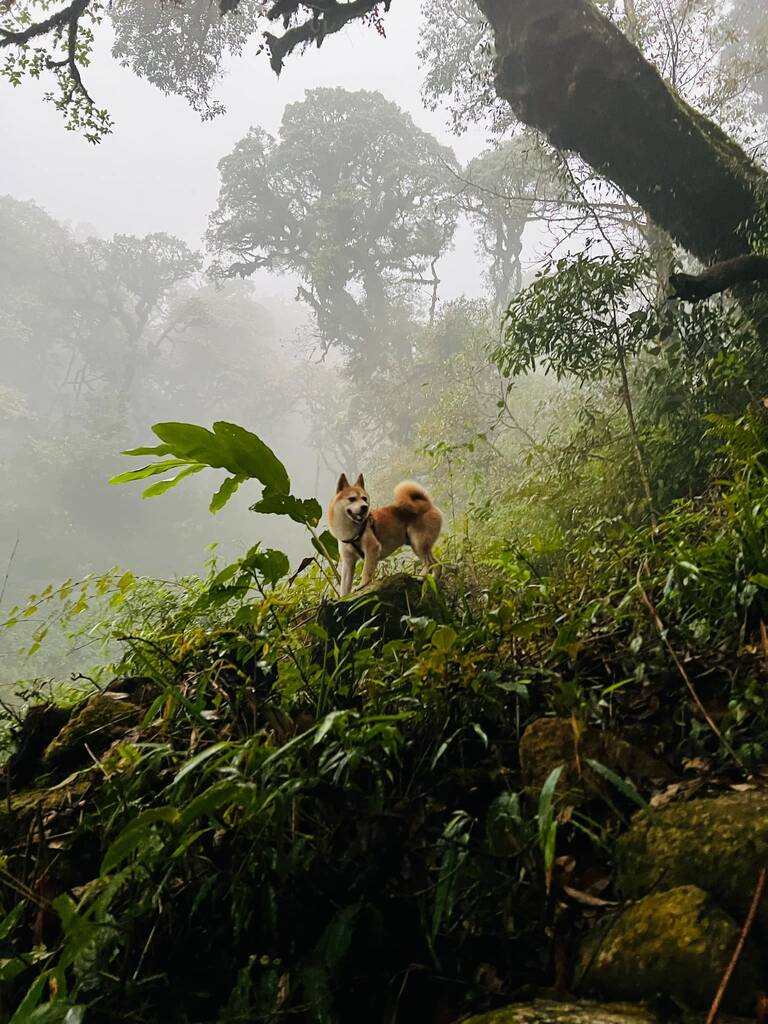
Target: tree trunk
(568,71)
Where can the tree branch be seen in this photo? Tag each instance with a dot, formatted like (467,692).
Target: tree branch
(67,15)
(719,277)
(326,17)
(567,70)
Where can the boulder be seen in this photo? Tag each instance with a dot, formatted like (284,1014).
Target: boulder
(544,1011)
(382,605)
(548,743)
(97,723)
(41,724)
(719,844)
(678,943)
(142,690)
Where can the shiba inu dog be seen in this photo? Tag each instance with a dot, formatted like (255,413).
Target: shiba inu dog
(372,534)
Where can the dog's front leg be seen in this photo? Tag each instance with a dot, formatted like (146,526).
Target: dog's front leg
(372,552)
(347,570)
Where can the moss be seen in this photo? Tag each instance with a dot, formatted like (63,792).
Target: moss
(25,806)
(719,844)
(677,942)
(545,1012)
(99,722)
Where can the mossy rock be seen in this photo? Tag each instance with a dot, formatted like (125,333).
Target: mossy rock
(32,804)
(41,724)
(97,724)
(382,605)
(142,690)
(719,844)
(549,743)
(544,1011)
(678,943)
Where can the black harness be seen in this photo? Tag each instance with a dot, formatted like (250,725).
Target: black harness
(366,523)
(355,541)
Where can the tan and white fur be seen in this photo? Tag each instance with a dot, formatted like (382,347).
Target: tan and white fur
(373,534)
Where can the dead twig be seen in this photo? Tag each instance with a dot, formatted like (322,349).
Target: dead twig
(756,897)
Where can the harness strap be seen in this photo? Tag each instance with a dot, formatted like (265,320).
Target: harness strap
(355,541)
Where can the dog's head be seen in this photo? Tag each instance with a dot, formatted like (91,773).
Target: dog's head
(352,498)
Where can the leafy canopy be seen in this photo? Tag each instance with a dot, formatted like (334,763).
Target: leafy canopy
(351,197)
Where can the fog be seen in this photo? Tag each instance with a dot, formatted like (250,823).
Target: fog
(143,281)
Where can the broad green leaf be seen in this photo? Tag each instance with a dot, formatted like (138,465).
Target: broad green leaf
(271,564)
(192,443)
(152,470)
(158,449)
(166,485)
(248,456)
(327,546)
(225,492)
(301,510)
(444,639)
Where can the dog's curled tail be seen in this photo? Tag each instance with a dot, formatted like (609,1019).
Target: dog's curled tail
(411,497)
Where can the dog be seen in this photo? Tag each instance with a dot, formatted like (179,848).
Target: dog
(372,534)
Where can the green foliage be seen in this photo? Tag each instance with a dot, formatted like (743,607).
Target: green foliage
(364,239)
(579,317)
(228,446)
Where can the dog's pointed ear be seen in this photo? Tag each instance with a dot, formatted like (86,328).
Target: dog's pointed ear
(343,482)
(360,481)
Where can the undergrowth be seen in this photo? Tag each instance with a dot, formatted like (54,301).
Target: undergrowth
(329,822)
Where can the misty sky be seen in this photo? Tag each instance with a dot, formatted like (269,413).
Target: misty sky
(157,171)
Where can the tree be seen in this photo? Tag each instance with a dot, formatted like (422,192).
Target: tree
(563,66)
(584,322)
(503,190)
(99,338)
(566,69)
(353,199)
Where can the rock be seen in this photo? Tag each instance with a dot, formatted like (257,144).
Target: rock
(41,724)
(30,805)
(548,1012)
(548,743)
(141,689)
(98,723)
(717,843)
(382,605)
(677,943)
